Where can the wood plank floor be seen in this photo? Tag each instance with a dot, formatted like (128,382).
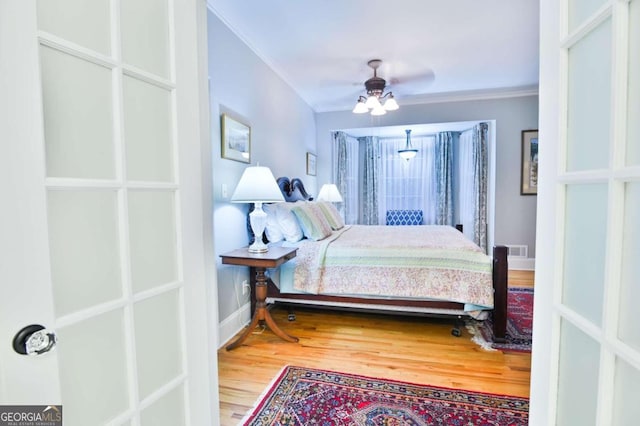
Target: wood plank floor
(412,349)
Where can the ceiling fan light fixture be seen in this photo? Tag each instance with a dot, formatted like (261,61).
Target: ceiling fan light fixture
(360,107)
(378,110)
(372,102)
(375,94)
(391,104)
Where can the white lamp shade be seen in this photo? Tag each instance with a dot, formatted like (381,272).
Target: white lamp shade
(407,154)
(257,184)
(372,102)
(391,104)
(360,108)
(329,192)
(378,110)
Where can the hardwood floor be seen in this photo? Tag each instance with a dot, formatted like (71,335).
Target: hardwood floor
(412,349)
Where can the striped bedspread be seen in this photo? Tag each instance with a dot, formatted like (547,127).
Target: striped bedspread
(435,262)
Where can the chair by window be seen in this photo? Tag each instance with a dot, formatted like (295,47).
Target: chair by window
(404,217)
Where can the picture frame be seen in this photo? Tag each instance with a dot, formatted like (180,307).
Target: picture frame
(529,163)
(235,139)
(311,164)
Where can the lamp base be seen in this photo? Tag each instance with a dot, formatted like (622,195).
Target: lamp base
(258,220)
(258,247)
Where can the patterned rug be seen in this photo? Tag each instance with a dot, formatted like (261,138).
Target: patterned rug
(519,324)
(303,396)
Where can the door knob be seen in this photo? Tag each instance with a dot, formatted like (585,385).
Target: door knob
(34,340)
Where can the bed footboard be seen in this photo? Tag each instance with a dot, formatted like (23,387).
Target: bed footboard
(500,288)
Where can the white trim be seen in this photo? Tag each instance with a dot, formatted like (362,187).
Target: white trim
(589,25)
(462,96)
(522,264)
(75,50)
(232,324)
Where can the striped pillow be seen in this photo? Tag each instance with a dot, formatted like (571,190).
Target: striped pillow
(314,226)
(331,214)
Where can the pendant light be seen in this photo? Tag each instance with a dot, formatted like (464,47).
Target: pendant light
(408,152)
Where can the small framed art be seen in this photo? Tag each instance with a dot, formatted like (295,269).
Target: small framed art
(236,139)
(529,164)
(311,164)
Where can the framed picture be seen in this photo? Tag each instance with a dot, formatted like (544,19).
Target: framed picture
(236,140)
(311,164)
(529,180)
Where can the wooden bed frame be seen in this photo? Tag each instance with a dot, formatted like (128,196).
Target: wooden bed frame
(293,190)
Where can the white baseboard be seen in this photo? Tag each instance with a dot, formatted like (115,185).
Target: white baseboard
(522,264)
(233,323)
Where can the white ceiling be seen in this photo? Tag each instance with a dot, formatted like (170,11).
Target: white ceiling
(434,48)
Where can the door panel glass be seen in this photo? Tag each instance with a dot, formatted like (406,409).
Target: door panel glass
(577,377)
(626,410)
(580,10)
(61,18)
(85,250)
(77,104)
(167,411)
(629,326)
(633,102)
(158,342)
(152,239)
(145,35)
(584,249)
(94,371)
(589,103)
(147,130)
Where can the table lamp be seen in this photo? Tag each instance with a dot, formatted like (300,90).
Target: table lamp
(257,185)
(329,192)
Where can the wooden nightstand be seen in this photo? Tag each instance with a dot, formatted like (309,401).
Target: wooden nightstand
(276,256)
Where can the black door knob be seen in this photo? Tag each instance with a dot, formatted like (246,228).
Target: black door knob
(34,339)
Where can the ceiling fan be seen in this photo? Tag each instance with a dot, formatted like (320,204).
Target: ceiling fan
(377,102)
(375,94)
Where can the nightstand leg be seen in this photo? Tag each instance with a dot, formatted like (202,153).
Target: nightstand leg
(261,314)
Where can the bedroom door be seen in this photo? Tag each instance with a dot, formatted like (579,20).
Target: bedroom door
(102,211)
(586,353)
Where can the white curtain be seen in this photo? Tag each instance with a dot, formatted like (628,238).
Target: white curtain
(466,189)
(407,185)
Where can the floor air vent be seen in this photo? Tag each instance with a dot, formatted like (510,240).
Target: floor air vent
(518,251)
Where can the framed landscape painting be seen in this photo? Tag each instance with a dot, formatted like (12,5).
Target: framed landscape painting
(236,140)
(529,181)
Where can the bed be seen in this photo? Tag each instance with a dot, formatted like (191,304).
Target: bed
(418,270)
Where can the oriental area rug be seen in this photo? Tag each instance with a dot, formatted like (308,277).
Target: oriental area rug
(519,324)
(303,396)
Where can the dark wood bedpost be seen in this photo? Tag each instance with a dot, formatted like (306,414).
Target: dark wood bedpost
(500,288)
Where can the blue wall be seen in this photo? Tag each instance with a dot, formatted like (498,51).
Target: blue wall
(282,132)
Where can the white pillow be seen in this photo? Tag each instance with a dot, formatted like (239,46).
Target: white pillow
(288,223)
(273,231)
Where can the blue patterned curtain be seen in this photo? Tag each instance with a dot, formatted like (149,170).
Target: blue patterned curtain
(444,176)
(342,176)
(480,166)
(370,177)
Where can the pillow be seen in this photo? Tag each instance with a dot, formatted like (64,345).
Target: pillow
(331,214)
(273,231)
(288,223)
(314,226)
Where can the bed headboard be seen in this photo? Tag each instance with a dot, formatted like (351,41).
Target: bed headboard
(293,189)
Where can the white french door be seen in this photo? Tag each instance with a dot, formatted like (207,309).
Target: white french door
(586,353)
(102,210)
